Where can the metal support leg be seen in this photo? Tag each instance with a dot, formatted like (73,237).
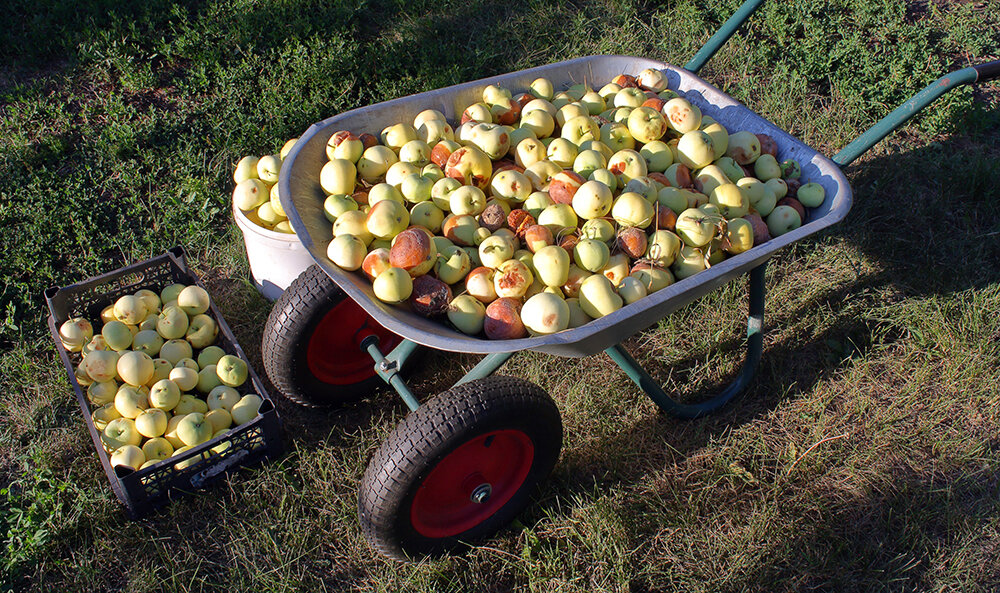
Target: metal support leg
(486,367)
(755,345)
(402,353)
(388,368)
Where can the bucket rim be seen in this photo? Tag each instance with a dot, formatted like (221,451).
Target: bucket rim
(245,225)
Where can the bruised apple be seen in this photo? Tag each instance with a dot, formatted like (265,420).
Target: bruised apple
(545,313)
(430,297)
(682,116)
(413,251)
(503,320)
(632,242)
(744,147)
(479,284)
(616,268)
(627,165)
(564,186)
(538,236)
(471,166)
(512,279)
(460,229)
(519,221)
(376,262)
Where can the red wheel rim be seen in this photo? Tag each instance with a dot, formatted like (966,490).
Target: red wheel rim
(472,483)
(334,353)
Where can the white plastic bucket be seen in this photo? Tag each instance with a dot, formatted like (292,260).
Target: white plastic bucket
(276,259)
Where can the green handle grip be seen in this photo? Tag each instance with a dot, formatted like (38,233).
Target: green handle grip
(901,114)
(988,71)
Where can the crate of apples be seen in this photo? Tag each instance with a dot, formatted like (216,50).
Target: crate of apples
(543,210)
(167,393)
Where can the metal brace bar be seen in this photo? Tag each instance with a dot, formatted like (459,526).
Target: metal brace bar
(486,366)
(389,371)
(755,346)
(402,353)
(901,114)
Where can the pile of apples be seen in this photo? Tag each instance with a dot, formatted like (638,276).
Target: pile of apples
(157,384)
(542,211)
(256,191)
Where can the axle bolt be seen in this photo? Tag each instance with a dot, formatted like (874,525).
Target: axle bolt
(481,494)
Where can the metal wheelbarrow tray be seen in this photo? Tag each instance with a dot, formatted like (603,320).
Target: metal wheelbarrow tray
(303,197)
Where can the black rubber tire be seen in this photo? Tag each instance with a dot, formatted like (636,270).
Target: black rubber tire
(289,327)
(428,435)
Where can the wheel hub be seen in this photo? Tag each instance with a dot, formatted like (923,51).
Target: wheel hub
(481,494)
(471,483)
(333,355)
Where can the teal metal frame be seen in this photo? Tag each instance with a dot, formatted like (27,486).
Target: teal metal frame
(901,114)
(389,366)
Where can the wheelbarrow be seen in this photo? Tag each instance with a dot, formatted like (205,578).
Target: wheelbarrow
(464,463)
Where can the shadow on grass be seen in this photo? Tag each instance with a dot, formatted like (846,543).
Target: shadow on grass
(789,366)
(857,543)
(910,534)
(933,233)
(930,216)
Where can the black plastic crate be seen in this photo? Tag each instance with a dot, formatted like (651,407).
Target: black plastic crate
(144,490)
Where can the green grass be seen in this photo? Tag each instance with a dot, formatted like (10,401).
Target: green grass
(864,457)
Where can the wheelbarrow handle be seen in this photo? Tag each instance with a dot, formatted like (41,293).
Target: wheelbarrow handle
(988,71)
(884,127)
(911,106)
(722,35)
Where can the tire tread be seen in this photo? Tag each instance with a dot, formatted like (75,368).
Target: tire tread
(450,416)
(282,345)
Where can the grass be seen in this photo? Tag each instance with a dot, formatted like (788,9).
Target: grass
(864,457)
